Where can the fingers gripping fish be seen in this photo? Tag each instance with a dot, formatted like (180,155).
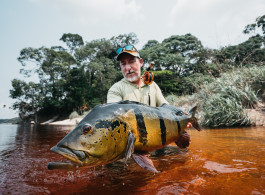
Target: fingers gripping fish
(122,130)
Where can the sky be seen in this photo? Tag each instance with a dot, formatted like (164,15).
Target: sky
(37,23)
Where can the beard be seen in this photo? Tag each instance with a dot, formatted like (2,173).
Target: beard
(132,78)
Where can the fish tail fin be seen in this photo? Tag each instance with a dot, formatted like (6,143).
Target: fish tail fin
(194,120)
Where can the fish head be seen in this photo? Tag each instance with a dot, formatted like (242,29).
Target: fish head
(91,144)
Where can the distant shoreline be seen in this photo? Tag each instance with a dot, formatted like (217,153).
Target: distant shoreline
(15,120)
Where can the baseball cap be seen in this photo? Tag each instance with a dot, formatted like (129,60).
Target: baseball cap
(130,49)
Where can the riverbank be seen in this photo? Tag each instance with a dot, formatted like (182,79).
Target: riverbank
(257,116)
(73,121)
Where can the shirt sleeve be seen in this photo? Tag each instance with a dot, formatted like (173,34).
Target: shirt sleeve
(114,94)
(159,96)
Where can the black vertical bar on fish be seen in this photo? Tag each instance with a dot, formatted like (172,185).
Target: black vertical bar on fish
(178,128)
(141,126)
(162,128)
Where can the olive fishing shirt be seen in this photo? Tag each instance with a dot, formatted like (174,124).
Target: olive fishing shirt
(147,94)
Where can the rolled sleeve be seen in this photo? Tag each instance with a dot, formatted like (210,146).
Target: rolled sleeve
(159,97)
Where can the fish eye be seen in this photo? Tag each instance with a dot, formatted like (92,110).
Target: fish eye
(86,128)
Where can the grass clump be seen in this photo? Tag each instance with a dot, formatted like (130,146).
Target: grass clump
(223,102)
(226,99)
(226,112)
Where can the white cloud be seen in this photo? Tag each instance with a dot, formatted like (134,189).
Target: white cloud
(95,11)
(218,22)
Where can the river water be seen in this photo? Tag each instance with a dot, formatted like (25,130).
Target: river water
(223,161)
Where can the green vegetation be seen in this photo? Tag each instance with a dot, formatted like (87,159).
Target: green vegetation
(224,81)
(12,120)
(3,120)
(224,101)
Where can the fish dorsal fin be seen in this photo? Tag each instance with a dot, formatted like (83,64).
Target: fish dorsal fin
(178,111)
(144,162)
(130,102)
(192,111)
(126,116)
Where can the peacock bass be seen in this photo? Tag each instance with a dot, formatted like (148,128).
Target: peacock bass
(122,130)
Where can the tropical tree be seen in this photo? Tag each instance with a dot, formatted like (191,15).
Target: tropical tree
(124,39)
(256,28)
(29,99)
(73,41)
(52,65)
(249,52)
(95,57)
(175,53)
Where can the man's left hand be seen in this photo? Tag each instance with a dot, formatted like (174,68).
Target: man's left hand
(189,125)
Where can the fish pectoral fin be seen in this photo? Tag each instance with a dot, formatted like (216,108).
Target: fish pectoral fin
(129,147)
(144,162)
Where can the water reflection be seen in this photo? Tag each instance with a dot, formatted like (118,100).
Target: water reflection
(221,168)
(224,161)
(7,137)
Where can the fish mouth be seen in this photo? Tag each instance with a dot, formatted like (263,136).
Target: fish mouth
(76,156)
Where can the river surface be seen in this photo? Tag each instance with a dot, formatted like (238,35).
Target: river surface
(223,161)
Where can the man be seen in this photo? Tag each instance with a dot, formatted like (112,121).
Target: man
(132,87)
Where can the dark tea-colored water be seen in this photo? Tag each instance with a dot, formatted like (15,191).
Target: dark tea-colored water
(223,161)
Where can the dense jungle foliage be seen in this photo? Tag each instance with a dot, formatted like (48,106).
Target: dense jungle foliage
(78,76)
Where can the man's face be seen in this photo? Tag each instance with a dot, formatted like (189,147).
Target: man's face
(131,67)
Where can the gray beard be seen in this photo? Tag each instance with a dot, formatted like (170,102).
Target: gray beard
(132,79)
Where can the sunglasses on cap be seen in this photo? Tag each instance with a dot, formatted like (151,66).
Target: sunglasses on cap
(126,48)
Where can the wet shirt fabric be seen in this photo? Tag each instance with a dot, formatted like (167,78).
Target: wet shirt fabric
(147,94)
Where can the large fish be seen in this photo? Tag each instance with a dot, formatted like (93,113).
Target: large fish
(122,130)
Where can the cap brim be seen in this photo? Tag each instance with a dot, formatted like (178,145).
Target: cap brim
(133,53)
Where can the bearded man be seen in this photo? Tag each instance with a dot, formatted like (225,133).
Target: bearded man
(132,87)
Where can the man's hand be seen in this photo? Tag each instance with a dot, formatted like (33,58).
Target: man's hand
(189,125)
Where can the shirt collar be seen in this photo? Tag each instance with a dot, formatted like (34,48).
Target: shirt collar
(142,84)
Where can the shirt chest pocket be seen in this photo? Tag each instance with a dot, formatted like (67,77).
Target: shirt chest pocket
(147,98)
